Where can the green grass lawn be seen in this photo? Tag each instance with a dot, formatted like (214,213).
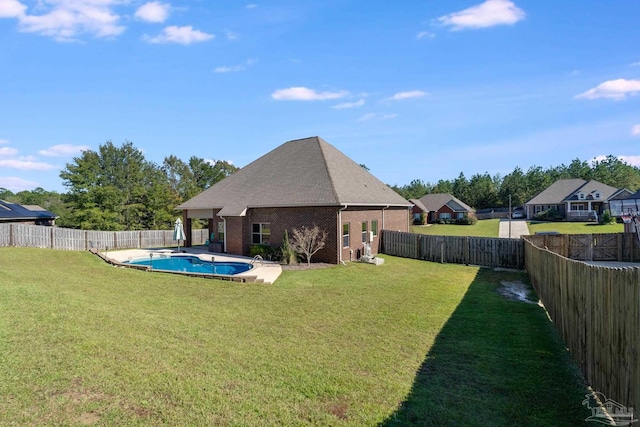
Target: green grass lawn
(405,343)
(484,228)
(575,227)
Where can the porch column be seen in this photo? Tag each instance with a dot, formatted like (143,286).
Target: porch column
(187,223)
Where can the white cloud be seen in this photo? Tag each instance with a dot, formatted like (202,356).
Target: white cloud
(487,14)
(65,20)
(63,150)
(235,68)
(614,89)
(25,165)
(635,131)
(231,35)
(636,64)
(305,94)
(409,94)
(425,35)
(182,35)
(252,6)
(345,105)
(8,151)
(377,116)
(4,141)
(153,11)
(11,9)
(16,184)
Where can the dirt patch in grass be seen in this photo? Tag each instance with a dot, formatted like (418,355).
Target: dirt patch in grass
(516,291)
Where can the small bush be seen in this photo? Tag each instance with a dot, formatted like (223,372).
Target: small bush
(606,218)
(549,215)
(268,253)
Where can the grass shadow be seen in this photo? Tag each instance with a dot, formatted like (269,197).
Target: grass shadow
(495,362)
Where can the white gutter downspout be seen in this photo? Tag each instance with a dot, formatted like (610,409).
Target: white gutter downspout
(340,234)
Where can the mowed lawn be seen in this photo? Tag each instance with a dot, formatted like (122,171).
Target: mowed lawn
(484,228)
(405,343)
(575,227)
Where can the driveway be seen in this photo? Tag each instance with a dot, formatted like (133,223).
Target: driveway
(518,228)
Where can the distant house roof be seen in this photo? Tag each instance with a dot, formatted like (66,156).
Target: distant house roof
(565,190)
(303,172)
(15,212)
(419,205)
(434,202)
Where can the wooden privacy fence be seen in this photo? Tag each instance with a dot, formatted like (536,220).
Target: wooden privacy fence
(38,236)
(591,247)
(484,251)
(596,310)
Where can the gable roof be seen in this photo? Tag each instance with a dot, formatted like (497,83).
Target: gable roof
(435,201)
(15,212)
(564,190)
(302,172)
(419,205)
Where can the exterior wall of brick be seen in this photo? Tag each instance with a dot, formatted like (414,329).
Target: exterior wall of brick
(281,219)
(387,218)
(239,229)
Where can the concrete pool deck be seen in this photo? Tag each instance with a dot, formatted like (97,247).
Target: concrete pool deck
(265,271)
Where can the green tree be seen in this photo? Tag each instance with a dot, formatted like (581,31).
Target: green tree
(107,189)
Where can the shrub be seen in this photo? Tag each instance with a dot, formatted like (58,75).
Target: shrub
(606,218)
(268,253)
(549,215)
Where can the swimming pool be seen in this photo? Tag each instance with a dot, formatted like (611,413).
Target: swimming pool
(192,264)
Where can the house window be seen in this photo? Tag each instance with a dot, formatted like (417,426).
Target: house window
(374,227)
(364,231)
(581,196)
(460,214)
(345,235)
(445,215)
(260,233)
(537,208)
(597,195)
(221,232)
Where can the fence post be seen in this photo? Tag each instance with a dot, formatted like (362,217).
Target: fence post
(52,238)
(11,239)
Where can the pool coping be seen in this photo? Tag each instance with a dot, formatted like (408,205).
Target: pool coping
(266,272)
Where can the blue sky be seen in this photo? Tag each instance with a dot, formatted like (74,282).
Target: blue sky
(412,89)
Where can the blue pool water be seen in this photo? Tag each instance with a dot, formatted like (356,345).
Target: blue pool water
(192,264)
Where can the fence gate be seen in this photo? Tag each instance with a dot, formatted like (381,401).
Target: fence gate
(605,247)
(580,247)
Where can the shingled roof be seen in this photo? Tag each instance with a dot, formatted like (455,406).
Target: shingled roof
(564,190)
(303,172)
(15,212)
(434,201)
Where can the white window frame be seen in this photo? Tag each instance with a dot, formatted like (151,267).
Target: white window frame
(346,241)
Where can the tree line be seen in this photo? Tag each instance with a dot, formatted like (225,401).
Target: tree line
(483,191)
(116,188)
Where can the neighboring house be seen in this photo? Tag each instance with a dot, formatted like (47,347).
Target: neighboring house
(625,205)
(443,206)
(26,214)
(418,210)
(304,182)
(575,199)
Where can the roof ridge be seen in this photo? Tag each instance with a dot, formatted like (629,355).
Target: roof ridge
(322,147)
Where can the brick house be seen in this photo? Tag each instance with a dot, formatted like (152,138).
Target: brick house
(25,214)
(441,206)
(303,182)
